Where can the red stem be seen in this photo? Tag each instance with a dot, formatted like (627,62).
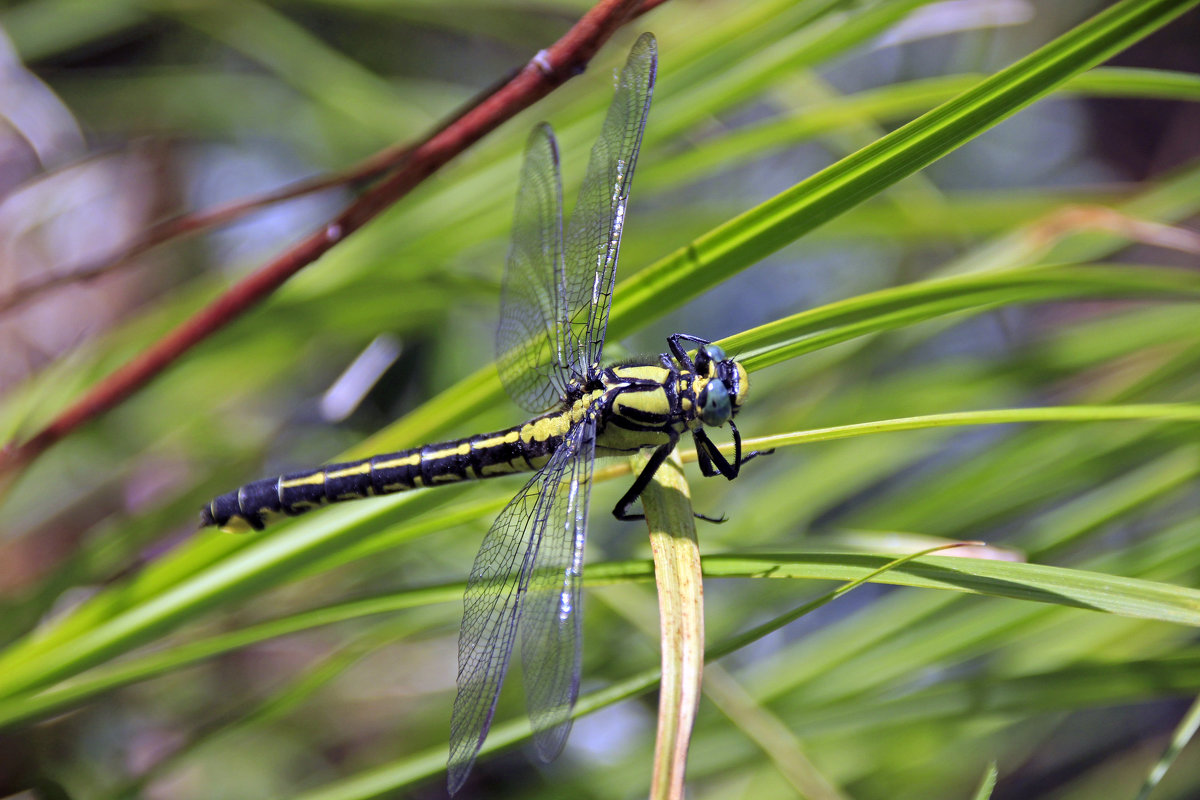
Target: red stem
(563,60)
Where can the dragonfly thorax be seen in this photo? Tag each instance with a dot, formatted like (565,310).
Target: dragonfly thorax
(645,405)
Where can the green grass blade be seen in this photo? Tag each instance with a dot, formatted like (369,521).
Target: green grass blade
(912,303)
(1059,586)
(987,784)
(1166,412)
(1185,731)
(788,216)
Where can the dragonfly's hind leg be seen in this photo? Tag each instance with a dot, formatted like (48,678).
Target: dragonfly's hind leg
(621,509)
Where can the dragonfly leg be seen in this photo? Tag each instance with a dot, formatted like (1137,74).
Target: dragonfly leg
(707,469)
(621,509)
(755,454)
(674,343)
(713,463)
(717,463)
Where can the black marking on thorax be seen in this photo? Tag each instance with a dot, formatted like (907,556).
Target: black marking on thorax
(630,417)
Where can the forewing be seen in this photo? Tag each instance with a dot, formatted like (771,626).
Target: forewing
(528,343)
(593,237)
(551,618)
(493,604)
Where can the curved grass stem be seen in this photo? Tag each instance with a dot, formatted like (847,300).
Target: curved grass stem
(678,578)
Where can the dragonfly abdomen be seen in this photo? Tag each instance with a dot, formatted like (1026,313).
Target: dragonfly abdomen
(522,448)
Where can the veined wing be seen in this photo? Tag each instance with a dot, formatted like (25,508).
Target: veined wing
(525,555)
(529,341)
(593,237)
(549,626)
(556,295)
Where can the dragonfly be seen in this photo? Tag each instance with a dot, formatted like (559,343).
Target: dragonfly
(555,300)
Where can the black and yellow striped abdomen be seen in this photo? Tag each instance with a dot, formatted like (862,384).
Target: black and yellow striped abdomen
(634,406)
(522,448)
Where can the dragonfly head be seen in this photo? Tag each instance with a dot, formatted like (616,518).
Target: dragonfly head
(724,386)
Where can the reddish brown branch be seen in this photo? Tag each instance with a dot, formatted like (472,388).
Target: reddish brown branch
(189,224)
(564,59)
(184,225)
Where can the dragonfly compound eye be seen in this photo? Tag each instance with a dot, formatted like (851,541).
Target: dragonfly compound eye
(715,406)
(708,356)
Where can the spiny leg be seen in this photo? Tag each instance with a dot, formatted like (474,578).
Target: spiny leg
(708,452)
(621,509)
(718,464)
(713,463)
(680,352)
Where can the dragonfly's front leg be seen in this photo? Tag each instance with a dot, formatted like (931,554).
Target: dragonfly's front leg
(713,463)
(674,344)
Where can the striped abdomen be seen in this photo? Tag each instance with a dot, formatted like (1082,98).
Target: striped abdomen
(520,449)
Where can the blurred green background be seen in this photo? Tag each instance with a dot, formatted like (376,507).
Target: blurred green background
(145,659)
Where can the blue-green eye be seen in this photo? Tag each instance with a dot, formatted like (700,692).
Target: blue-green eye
(715,408)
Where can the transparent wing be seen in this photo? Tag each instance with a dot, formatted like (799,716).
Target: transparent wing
(593,236)
(528,343)
(550,621)
(500,579)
